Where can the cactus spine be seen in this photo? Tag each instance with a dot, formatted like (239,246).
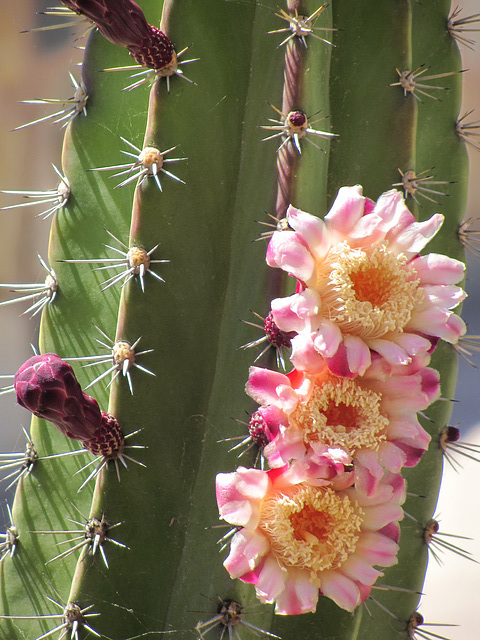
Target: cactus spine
(192,321)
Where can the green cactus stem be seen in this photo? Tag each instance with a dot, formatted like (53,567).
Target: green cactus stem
(162,573)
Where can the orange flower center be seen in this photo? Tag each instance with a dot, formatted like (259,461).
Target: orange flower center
(368,293)
(341,413)
(313,528)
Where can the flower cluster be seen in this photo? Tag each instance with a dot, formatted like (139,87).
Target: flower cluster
(337,430)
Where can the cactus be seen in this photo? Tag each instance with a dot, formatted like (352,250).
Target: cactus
(171,259)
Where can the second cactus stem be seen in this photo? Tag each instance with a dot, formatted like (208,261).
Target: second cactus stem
(157,260)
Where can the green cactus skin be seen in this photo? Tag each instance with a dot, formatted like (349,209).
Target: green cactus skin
(167,579)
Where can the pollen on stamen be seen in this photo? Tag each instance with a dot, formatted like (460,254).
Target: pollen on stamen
(341,413)
(10,538)
(149,162)
(369,293)
(293,127)
(300,527)
(273,338)
(457,27)
(451,446)
(121,357)
(55,198)
(41,294)
(94,534)
(467,131)
(414,184)
(135,261)
(229,616)
(72,107)
(301,27)
(408,81)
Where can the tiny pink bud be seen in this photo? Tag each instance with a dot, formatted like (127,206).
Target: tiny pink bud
(276,337)
(257,428)
(46,385)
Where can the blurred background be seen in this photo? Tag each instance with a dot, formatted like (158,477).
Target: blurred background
(36,65)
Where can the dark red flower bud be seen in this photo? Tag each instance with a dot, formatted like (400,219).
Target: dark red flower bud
(123,23)
(258,430)
(276,337)
(108,439)
(297,119)
(46,385)
(451,433)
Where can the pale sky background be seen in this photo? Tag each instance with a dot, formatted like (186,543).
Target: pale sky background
(31,68)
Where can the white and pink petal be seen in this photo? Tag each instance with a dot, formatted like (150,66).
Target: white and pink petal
(299,595)
(342,590)
(247,549)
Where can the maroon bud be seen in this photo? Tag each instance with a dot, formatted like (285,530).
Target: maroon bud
(431,528)
(123,23)
(46,385)
(258,430)
(276,337)
(415,620)
(108,439)
(297,119)
(452,434)
(155,51)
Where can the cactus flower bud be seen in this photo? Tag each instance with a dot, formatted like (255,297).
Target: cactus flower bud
(46,385)
(123,23)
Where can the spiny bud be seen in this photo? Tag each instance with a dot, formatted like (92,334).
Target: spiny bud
(275,336)
(258,429)
(123,23)
(46,385)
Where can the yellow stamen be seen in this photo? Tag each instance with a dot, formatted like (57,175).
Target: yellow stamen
(368,293)
(313,528)
(341,413)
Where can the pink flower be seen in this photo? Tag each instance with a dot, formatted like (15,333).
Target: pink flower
(299,537)
(363,287)
(372,417)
